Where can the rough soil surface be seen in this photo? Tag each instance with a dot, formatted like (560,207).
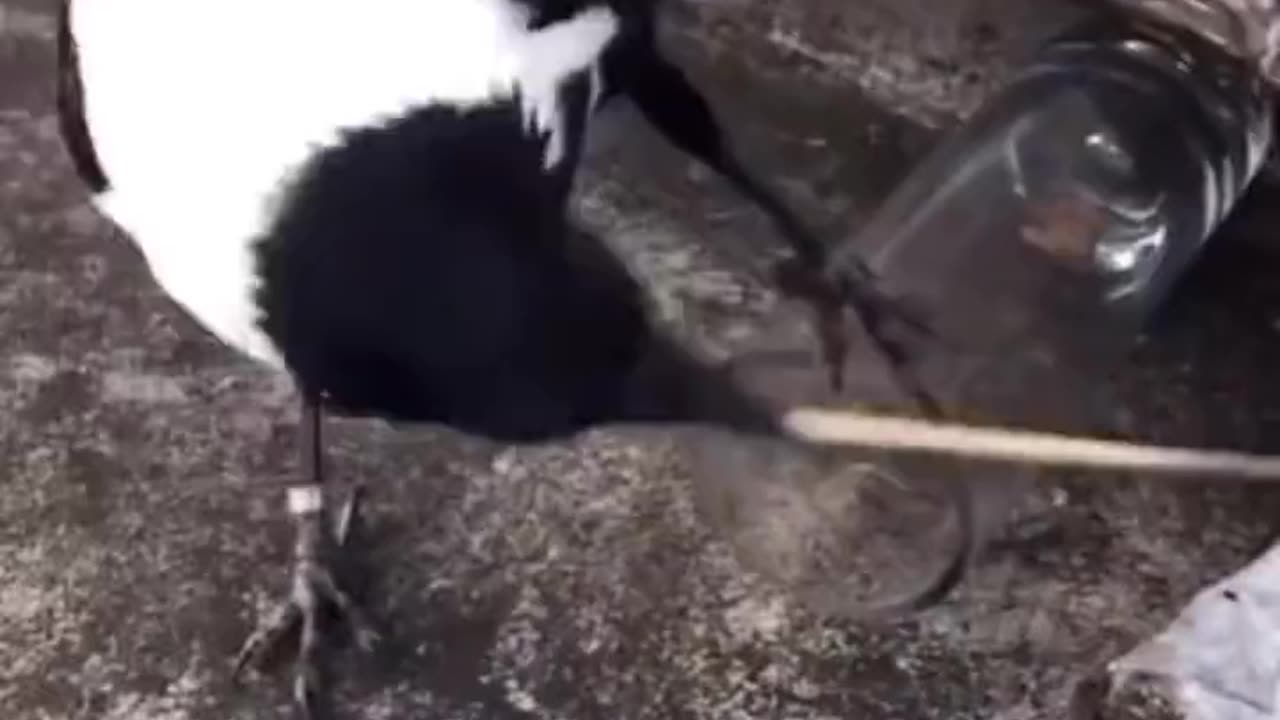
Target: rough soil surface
(141,531)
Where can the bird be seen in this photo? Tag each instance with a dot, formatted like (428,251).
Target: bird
(371,196)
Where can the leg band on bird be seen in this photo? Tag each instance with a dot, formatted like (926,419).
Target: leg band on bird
(305,499)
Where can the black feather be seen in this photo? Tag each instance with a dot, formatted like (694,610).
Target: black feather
(424,271)
(70,102)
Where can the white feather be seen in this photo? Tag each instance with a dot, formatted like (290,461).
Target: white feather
(199,111)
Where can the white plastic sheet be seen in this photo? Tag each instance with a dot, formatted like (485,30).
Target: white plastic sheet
(1220,658)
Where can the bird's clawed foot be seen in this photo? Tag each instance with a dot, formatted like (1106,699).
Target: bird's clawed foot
(314,589)
(834,293)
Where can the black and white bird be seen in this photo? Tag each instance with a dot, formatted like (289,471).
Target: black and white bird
(370,195)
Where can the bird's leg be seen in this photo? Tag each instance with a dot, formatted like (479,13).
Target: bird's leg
(671,103)
(314,586)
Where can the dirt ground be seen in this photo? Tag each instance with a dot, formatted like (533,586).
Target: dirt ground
(141,532)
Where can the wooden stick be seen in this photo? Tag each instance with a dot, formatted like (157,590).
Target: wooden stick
(852,428)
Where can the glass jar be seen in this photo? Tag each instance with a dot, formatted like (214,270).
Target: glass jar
(1036,240)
